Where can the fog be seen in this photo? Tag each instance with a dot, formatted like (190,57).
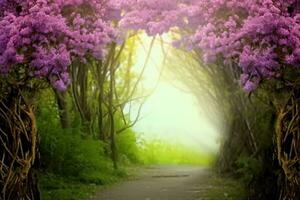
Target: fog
(171,113)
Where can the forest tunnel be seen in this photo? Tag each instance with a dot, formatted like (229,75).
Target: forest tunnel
(173,112)
(80,86)
(189,104)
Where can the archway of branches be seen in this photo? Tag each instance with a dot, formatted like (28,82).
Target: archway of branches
(243,122)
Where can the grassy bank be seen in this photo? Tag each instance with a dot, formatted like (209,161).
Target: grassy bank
(61,188)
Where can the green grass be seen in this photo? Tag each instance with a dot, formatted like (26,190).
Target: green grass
(160,152)
(59,188)
(225,188)
(54,187)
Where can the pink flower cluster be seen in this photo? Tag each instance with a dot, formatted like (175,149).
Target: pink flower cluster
(262,37)
(154,16)
(46,35)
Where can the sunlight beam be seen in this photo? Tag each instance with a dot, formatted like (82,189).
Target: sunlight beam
(170,113)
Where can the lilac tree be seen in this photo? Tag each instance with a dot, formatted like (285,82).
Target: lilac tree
(46,36)
(39,40)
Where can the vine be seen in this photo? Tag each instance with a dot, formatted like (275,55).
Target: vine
(18,149)
(288,145)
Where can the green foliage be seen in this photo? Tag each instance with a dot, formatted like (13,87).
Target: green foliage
(127,147)
(78,162)
(159,152)
(248,168)
(66,152)
(225,188)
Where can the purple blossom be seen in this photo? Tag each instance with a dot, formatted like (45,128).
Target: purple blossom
(59,84)
(262,37)
(250,86)
(43,36)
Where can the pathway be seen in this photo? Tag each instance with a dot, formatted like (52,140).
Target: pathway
(161,183)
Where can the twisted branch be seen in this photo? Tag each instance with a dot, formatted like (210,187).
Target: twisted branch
(288,145)
(18,144)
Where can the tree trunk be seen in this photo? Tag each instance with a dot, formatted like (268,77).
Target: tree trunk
(102,136)
(80,94)
(111,115)
(62,103)
(83,99)
(18,149)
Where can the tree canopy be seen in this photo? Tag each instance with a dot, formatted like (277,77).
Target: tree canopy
(262,37)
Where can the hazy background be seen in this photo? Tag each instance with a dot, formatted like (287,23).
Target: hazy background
(171,113)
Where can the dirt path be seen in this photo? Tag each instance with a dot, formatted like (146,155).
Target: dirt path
(161,183)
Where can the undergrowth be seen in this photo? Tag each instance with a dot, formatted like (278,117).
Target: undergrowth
(225,188)
(55,187)
(160,152)
(72,165)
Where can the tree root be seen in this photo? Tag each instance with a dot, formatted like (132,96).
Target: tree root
(18,149)
(288,146)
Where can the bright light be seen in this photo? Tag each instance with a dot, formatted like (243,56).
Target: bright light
(170,113)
